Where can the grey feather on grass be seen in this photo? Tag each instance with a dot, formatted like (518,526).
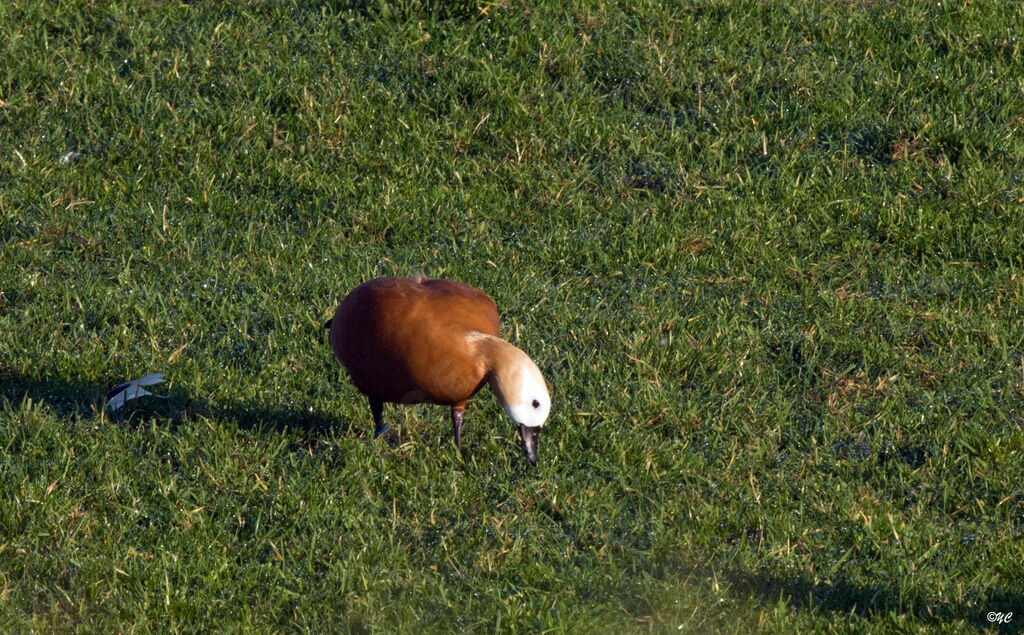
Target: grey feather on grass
(132,389)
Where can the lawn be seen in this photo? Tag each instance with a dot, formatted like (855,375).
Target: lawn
(768,256)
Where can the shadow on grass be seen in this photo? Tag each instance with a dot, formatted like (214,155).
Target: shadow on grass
(877,600)
(68,399)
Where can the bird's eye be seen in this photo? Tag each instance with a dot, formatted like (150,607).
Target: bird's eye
(536,404)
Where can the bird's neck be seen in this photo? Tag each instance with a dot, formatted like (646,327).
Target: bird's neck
(495,352)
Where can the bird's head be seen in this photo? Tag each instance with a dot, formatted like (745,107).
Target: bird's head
(520,387)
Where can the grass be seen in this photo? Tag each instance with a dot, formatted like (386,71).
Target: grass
(767,255)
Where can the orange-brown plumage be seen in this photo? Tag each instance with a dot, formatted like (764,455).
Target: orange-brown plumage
(434,341)
(403,341)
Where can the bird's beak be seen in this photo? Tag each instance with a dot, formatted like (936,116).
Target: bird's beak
(529,436)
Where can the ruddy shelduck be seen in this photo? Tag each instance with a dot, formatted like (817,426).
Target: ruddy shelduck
(415,340)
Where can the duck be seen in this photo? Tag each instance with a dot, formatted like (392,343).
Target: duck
(416,340)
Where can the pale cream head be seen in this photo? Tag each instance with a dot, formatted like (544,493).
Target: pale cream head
(523,393)
(516,381)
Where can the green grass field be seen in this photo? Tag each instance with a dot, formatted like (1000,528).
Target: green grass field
(768,256)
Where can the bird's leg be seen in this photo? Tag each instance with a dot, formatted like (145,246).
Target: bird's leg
(458,412)
(377,408)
